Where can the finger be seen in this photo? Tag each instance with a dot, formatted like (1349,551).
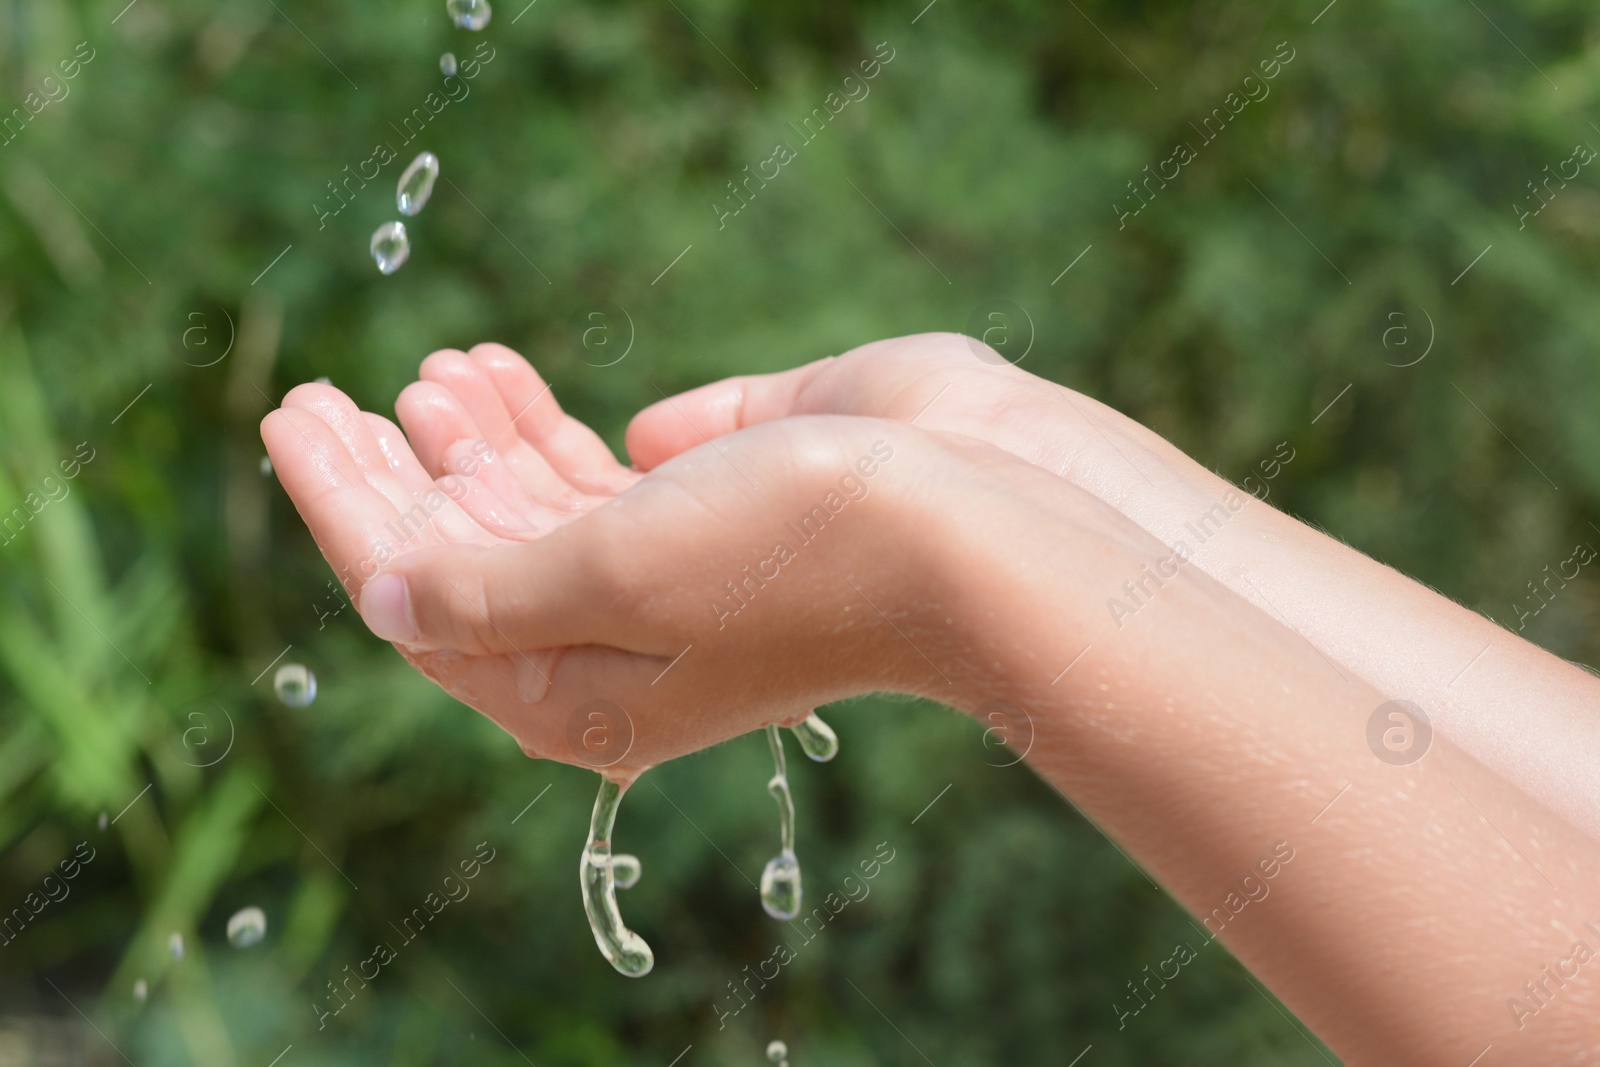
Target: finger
(424,513)
(493,496)
(347,422)
(573,449)
(353,523)
(550,593)
(476,391)
(676,424)
(449,445)
(433,420)
(453,523)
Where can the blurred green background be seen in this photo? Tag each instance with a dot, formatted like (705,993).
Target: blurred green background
(141,212)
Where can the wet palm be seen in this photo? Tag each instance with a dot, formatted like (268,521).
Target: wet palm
(533,577)
(491,459)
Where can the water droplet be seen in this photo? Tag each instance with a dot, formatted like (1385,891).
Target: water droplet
(627,869)
(817,738)
(295,685)
(102,822)
(780,887)
(777,1051)
(468,14)
(780,881)
(533,675)
(447,64)
(416,184)
(175,946)
(266,466)
(624,949)
(247,927)
(390,246)
(141,991)
(324,381)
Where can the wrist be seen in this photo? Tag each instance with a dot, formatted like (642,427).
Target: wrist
(1006,569)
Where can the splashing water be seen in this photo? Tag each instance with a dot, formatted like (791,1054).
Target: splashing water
(175,946)
(780,881)
(416,183)
(295,685)
(468,14)
(447,64)
(247,927)
(627,870)
(390,247)
(597,876)
(778,1053)
(817,738)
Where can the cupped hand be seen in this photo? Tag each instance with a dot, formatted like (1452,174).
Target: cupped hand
(954,383)
(603,617)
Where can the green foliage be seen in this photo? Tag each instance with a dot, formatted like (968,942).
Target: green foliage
(139,215)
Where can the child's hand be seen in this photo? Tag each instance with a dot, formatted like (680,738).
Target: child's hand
(744,582)
(941,381)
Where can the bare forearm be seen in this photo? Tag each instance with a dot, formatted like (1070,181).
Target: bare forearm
(1211,741)
(1525,713)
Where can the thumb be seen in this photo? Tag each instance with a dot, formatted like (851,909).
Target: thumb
(489,600)
(676,424)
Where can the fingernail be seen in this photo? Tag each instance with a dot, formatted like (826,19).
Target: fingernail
(386,607)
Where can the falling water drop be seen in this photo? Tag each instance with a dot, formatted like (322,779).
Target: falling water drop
(624,949)
(175,946)
(627,870)
(447,64)
(416,183)
(780,886)
(390,246)
(102,821)
(266,466)
(295,685)
(468,14)
(247,927)
(780,881)
(817,738)
(141,991)
(778,1052)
